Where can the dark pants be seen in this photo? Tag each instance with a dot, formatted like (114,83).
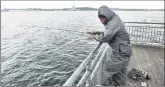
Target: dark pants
(114,69)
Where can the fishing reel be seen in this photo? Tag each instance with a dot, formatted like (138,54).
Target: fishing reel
(96,33)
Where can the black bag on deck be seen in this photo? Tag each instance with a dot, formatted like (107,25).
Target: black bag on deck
(138,75)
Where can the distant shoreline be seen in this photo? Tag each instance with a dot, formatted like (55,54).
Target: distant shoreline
(77,9)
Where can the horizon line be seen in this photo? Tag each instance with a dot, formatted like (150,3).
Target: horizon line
(79,7)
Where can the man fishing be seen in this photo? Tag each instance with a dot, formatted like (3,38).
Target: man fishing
(115,34)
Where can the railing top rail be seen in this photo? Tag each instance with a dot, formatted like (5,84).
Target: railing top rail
(145,23)
(135,26)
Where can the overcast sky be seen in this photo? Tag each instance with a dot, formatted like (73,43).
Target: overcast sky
(95,4)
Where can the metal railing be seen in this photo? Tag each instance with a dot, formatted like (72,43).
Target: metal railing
(145,32)
(145,23)
(93,64)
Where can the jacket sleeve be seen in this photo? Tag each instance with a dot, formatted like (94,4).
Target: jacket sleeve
(109,33)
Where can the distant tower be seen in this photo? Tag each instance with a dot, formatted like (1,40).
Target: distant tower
(4,8)
(73,8)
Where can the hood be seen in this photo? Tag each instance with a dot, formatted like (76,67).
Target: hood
(105,11)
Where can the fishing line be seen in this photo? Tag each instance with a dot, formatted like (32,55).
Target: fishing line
(86,34)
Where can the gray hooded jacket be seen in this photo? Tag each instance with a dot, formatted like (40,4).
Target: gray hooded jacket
(115,33)
(118,39)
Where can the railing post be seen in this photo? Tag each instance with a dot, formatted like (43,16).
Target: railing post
(88,68)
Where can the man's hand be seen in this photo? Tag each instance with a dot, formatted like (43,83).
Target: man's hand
(91,37)
(91,33)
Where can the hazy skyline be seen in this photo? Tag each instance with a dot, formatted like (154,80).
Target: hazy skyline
(94,4)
